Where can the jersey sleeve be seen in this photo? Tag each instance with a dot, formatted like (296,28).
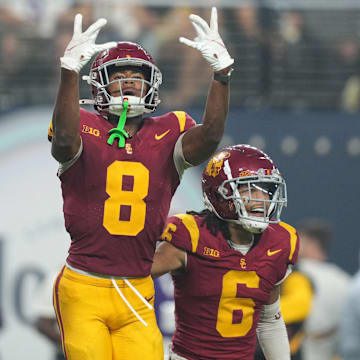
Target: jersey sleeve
(182,231)
(185,121)
(290,250)
(291,243)
(50,128)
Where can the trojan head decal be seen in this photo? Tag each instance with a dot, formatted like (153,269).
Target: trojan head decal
(216,162)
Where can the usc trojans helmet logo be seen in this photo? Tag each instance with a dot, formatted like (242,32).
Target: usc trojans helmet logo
(216,162)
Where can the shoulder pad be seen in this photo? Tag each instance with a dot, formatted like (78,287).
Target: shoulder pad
(293,240)
(185,120)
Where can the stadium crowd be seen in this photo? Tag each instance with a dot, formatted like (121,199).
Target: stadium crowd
(301,58)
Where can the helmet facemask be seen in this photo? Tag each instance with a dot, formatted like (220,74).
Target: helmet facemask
(99,78)
(267,181)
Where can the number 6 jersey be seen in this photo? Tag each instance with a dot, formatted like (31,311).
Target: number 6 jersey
(116,200)
(220,294)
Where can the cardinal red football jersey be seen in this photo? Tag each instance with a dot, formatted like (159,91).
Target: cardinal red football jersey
(218,299)
(116,200)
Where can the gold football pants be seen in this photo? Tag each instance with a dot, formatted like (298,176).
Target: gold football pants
(96,324)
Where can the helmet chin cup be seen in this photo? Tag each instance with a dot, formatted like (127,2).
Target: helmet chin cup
(253,226)
(136,106)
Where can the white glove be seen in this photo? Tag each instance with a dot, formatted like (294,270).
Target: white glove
(82,46)
(209,42)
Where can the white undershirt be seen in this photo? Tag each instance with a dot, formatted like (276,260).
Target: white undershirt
(243,248)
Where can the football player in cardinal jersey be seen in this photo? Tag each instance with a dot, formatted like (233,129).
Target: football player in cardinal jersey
(229,260)
(118,172)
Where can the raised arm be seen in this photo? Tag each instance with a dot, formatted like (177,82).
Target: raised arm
(201,141)
(66,116)
(167,258)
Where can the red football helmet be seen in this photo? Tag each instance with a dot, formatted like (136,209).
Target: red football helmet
(244,165)
(124,54)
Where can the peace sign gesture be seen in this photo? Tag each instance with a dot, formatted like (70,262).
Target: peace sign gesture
(82,46)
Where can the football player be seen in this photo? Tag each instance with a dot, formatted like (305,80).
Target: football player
(229,260)
(118,172)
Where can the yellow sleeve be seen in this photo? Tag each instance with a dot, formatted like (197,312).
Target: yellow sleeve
(185,120)
(182,231)
(296,298)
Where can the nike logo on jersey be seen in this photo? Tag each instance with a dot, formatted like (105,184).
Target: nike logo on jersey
(159,137)
(149,299)
(271,253)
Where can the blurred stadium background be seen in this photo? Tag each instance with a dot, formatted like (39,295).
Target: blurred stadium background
(295,93)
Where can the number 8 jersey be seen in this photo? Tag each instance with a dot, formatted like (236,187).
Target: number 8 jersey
(220,294)
(116,200)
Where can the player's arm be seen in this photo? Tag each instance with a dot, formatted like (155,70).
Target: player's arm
(66,117)
(271,330)
(199,142)
(167,258)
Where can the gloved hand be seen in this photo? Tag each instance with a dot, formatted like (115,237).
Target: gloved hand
(82,46)
(209,42)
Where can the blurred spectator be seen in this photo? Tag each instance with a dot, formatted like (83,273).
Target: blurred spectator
(189,87)
(132,22)
(250,31)
(330,284)
(13,74)
(31,33)
(348,60)
(38,16)
(298,64)
(297,295)
(44,314)
(349,340)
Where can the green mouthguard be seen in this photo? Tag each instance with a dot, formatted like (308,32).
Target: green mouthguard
(119,132)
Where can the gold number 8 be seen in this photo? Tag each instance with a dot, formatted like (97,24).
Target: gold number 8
(117,197)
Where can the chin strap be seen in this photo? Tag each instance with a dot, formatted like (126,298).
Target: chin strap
(119,132)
